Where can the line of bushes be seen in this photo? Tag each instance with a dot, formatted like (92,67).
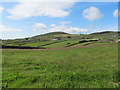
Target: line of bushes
(83,41)
(20,47)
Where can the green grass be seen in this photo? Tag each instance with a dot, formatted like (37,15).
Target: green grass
(37,44)
(90,67)
(92,43)
(61,44)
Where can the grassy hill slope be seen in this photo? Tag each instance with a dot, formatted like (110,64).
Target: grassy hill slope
(61,39)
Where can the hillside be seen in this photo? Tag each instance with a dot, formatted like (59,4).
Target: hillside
(54,33)
(61,39)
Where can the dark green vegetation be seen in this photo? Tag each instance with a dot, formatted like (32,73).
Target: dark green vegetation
(87,67)
(73,61)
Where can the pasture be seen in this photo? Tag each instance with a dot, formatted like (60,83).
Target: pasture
(92,66)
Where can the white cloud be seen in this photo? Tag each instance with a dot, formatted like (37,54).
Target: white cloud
(106,28)
(54,28)
(30,9)
(68,29)
(39,26)
(8,29)
(49,0)
(115,13)
(60,0)
(52,25)
(92,13)
(65,22)
(1,9)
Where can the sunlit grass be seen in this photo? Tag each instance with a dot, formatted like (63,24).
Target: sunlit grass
(90,67)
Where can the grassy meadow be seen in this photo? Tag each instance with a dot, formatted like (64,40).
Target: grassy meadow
(93,66)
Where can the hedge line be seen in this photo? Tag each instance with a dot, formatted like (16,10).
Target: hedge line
(20,47)
(83,41)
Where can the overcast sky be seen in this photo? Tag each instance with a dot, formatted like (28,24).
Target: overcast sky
(23,19)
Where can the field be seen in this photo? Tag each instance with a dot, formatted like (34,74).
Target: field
(91,66)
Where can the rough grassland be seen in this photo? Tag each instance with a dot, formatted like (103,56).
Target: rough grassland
(91,67)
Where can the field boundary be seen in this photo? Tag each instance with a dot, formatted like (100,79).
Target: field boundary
(21,47)
(84,46)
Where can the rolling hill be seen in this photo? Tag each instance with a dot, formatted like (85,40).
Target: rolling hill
(62,39)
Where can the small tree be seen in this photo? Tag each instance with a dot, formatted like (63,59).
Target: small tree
(26,38)
(68,36)
(68,43)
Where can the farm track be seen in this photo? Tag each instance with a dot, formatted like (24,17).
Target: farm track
(84,46)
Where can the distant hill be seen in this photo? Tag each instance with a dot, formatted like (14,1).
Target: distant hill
(104,32)
(61,39)
(51,35)
(54,33)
